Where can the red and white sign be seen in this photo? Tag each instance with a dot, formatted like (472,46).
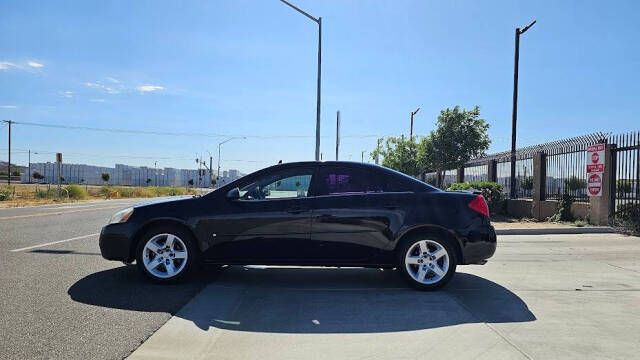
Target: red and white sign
(594,184)
(595,159)
(595,169)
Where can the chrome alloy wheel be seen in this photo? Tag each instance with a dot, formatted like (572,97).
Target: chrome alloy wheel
(164,256)
(427,262)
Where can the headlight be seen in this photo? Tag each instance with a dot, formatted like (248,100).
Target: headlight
(121,216)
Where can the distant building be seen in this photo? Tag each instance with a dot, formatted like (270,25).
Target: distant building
(122,175)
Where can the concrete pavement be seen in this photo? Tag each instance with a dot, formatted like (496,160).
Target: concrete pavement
(541,297)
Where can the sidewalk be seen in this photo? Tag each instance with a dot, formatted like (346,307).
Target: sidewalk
(516,227)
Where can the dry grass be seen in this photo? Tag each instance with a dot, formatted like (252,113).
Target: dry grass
(31,194)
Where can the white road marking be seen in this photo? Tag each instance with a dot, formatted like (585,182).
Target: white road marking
(57,212)
(54,242)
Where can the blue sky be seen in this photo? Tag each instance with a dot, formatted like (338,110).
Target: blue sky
(249,68)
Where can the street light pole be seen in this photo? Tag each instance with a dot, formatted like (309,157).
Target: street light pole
(319,22)
(413,113)
(219,145)
(514,115)
(337,134)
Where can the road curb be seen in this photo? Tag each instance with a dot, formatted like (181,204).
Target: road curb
(552,231)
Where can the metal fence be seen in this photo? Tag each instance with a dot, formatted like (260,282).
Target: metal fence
(449,177)
(476,172)
(626,157)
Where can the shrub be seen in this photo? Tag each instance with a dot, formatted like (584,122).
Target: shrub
(105,177)
(108,192)
(7,193)
(492,192)
(627,219)
(77,192)
(563,211)
(46,194)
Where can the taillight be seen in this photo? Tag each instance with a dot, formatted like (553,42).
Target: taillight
(479,204)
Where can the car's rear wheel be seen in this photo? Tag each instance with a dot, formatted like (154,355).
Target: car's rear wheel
(166,254)
(427,261)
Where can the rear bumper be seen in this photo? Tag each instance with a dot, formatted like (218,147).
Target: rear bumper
(115,242)
(478,243)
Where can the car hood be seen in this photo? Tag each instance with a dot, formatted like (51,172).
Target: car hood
(173,199)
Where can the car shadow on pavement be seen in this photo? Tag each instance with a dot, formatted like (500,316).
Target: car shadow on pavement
(309,300)
(126,288)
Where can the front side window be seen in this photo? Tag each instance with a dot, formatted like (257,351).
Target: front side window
(348,180)
(287,184)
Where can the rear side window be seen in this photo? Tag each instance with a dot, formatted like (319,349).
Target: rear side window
(349,181)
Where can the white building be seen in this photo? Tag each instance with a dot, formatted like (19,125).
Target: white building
(122,175)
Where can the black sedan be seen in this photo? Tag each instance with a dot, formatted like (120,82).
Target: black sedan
(309,213)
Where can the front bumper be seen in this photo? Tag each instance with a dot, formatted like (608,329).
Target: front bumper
(115,242)
(479,244)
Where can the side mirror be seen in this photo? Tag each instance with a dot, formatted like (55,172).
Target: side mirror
(233,194)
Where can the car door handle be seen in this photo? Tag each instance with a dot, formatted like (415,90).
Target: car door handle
(297,210)
(391,207)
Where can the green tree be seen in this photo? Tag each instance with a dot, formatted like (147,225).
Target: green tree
(36,175)
(148,181)
(526,183)
(105,177)
(574,183)
(399,153)
(190,182)
(460,135)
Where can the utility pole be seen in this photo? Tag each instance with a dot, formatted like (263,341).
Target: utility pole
(337,134)
(9,163)
(514,117)
(362,155)
(319,22)
(412,115)
(210,171)
(155,171)
(29,166)
(378,151)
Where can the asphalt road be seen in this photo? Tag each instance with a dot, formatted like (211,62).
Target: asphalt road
(52,296)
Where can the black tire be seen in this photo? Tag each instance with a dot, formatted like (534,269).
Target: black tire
(192,260)
(410,243)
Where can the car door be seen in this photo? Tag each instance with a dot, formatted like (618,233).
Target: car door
(354,216)
(270,223)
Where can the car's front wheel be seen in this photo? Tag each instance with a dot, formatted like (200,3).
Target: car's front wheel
(166,254)
(427,261)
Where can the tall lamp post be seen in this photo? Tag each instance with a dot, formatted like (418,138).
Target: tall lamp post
(413,113)
(219,145)
(319,22)
(514,117)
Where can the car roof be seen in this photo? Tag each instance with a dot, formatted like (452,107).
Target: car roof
(327,163)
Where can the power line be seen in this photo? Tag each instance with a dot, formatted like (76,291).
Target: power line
(175,133)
